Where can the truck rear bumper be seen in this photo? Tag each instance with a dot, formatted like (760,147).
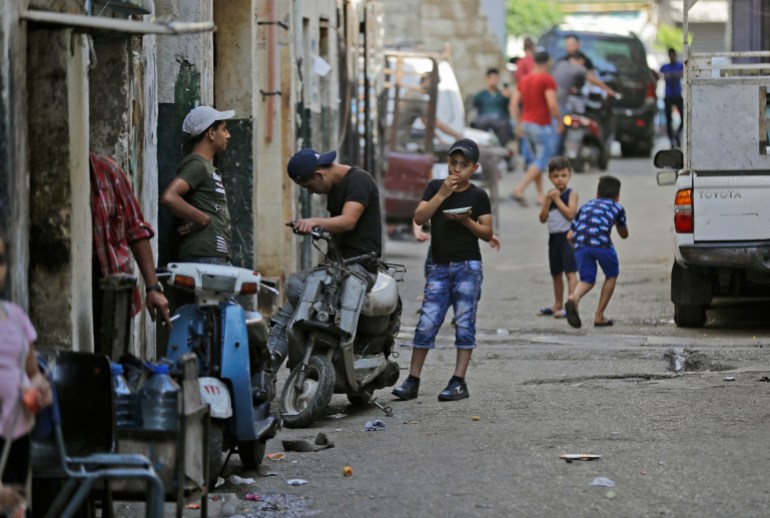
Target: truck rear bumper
(740,256)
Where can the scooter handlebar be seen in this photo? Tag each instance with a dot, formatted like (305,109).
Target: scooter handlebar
(315,233)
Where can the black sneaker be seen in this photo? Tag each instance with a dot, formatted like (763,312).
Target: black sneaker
(455,391)
(407,390)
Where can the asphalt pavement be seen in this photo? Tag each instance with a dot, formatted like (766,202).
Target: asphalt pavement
(678,417)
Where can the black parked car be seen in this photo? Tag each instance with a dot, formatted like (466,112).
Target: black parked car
(620,61)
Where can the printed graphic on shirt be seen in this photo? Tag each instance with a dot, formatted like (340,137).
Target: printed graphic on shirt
(207,194)
(218,185)
(594,221)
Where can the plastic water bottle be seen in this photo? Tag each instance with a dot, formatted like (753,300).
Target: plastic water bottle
(126,401)
(159,400)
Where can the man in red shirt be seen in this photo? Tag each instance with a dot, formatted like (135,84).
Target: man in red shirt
(523,68)
(534,119)
(525,65)
(119,231)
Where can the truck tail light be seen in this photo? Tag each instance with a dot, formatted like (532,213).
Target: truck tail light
(683,220)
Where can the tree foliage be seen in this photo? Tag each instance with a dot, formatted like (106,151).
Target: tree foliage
(670,37)
(531,17)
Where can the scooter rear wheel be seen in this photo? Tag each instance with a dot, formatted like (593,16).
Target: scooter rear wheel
(251,453)
(300,407)
(216,441)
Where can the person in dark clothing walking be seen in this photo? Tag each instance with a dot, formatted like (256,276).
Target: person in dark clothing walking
(672,75)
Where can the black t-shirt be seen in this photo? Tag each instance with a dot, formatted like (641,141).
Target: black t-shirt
(450,241)
(357,185)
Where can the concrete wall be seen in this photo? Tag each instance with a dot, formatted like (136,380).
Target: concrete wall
(14,166)
(275,138)
(235,75)
(60,231)
(458,26)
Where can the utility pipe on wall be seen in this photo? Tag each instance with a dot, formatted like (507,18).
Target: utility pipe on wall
(270,71)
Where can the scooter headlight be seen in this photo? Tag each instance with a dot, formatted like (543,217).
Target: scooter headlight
(568,120)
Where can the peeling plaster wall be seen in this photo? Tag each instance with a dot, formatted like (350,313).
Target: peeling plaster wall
(60,233)
(110,100)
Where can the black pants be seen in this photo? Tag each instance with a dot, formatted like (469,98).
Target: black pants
(18,461)
(670,102)
(17,468)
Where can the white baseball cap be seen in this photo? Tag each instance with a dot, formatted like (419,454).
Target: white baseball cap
(201,117)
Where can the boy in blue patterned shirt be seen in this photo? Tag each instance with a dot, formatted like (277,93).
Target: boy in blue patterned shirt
(590,234)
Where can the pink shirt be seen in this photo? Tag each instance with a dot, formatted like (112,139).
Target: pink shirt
(14,322)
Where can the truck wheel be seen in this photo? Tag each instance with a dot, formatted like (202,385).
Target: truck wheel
(689,315)
(251,453)
(627,149)
(301,406)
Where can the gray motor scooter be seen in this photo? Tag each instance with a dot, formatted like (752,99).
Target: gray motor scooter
(341,333)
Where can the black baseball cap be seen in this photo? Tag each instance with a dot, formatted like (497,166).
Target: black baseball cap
(541,55)
(468,148)
(306,161)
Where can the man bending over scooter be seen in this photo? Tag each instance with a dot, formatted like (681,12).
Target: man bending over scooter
(353,202)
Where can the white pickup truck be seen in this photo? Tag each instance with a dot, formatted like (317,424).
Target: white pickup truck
(722,174)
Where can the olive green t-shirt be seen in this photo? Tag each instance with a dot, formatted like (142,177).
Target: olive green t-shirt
(207,194)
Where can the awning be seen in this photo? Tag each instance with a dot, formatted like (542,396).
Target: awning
(104,24)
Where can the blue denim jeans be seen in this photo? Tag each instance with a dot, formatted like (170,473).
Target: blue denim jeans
(459,285)
(541,140)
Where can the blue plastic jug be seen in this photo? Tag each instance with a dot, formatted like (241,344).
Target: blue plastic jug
(159,400)
(127,413)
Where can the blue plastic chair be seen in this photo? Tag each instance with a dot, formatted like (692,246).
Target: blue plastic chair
(77,433)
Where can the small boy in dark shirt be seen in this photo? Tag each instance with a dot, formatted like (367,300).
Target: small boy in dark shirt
(559,209)
(590,234)
(460,214)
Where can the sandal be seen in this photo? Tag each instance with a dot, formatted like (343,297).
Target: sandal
(519,199)
(545,312)
(606,323)
(573,318)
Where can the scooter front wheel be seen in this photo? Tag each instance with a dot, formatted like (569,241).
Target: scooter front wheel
(302,403)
